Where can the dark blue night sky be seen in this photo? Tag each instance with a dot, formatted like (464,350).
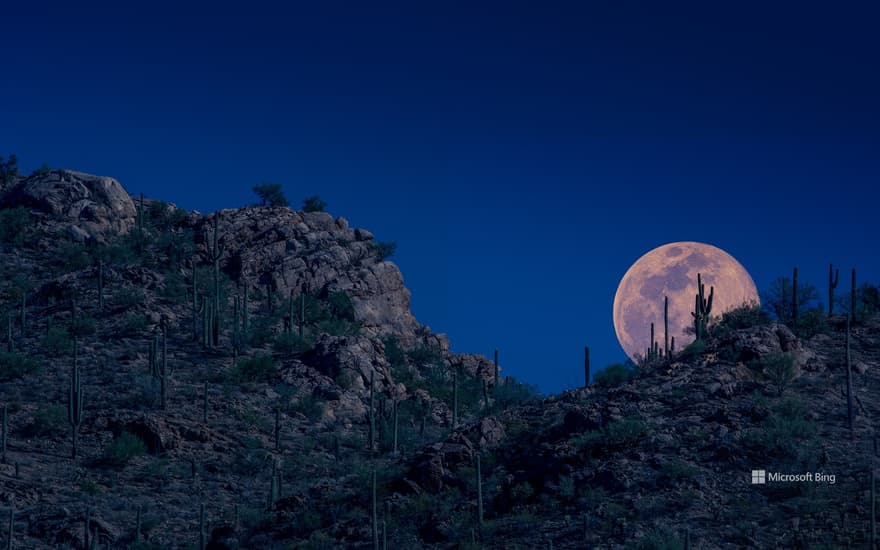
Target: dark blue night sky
(522,155)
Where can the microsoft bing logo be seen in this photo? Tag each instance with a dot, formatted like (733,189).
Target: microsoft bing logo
(759,477)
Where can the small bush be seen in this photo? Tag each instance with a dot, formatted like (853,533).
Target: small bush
(72,256)
(810,323)
(13,222)
(81,326)
(314,204)
(613,375)
(694,350)
(778,369)
(57,342)
(129,297)
(255,369)
(513,392)
(309,406)
(385,249)
(745,316)
(615,435)
(133,324)
(122,449)
(784,433)
(16,365)
(290,342)
(48,421)
(270,194)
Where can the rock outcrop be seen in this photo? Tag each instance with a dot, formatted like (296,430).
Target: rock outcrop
(92,207)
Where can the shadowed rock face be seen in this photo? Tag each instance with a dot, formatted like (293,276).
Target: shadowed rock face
(93,205)
(284,249)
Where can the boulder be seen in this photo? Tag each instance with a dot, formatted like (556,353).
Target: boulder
(94,205)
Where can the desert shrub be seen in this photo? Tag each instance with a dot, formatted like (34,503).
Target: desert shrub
(13,223)
(123,448)
(314,204)
(613,375)
(745,316)
(174,289)
(164,217)
(423,355)
(614,435)
(81,325)
(785,432)
(15,365)
(338,327)
(175,245)
(340,306)
(777,300)
(133,324)
(57,342)
(309,406)
(694,350)
(778,369)
(72,256)
(384,249)
(290,342)
(147,390)
(659,539)
(513,392)
(129,297)
(810,323)
(48,421)
(393,352)
(270,194)
(255,369)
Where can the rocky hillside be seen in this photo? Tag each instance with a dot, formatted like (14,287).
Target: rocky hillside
(254,378)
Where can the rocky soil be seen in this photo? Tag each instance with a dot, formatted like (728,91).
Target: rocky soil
(269,433)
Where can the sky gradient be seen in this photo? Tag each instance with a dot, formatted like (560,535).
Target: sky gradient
(523,155)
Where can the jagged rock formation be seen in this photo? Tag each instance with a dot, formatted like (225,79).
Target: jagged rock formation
(89,206)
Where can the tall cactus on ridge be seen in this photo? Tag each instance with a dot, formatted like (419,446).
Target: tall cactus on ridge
(702,307)
(852,297)
(586,366)
(214,255)
(833,278)
(794,296)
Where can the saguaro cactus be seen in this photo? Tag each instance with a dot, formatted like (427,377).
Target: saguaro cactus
(479,492)
(214,255)
(394,440)
(75,404)
(3,437)
(164,373)
(586,366)
(202,531)
(850,411)
(9,531)
(833,277)
(852,297)
(666,326)
(794,296)
(496,368)
(371,438)
(454,400)
(101,285)
(374,512)
(302,309)
(205,403)
(702,307)
(195,302)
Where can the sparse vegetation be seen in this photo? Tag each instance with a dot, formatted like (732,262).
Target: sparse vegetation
(613,375)
(255,369)
(14,365)
(270,194)
(385,249)
(13,225)
(314,204)
(123,448)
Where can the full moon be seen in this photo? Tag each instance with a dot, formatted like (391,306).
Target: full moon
(671,270)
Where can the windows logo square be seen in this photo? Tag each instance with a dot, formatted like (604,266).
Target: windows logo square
(759,477)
